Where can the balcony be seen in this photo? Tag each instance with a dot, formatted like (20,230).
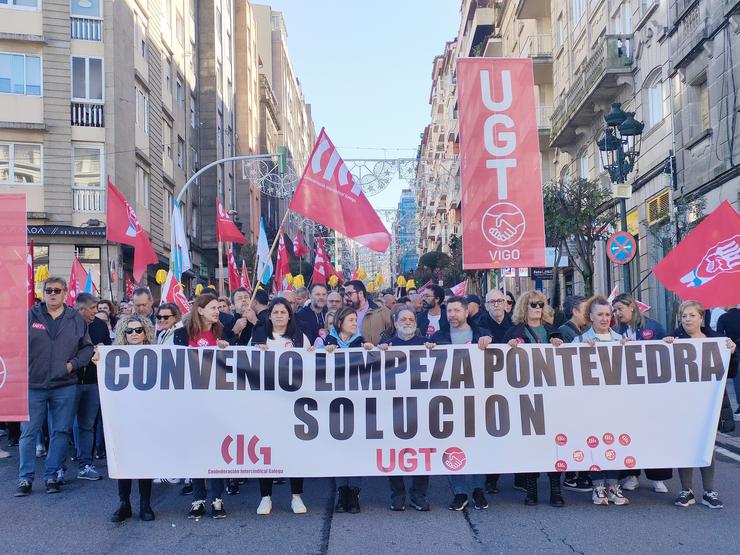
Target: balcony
(87,199)
(544,116)
(86,28)
(596,84)
(691,28)
(87,114)
(532,9)
(477,29)
(539,49)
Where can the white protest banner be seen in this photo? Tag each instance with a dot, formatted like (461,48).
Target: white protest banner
(177,411)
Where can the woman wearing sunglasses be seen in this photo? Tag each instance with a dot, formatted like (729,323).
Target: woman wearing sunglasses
(168,316)
(531,327)
(203,328)
(133,329)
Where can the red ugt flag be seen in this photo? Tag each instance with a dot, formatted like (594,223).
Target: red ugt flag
(322,267)
(299,247)
(234,278)
(282,266)
(705,266)
(226,230)
(245,277)
(328,194)
(77,279)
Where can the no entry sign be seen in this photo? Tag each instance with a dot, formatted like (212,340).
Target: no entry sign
(621,247)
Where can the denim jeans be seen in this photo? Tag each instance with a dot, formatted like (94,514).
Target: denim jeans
(462,483)
(87,406)
(215,488)
(61,406)
(419,487)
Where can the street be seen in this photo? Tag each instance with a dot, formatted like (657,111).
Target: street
(77,520)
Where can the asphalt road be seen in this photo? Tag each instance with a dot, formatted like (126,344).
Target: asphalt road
(77,521)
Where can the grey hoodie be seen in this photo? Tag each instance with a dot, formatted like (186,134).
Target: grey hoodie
(48,356)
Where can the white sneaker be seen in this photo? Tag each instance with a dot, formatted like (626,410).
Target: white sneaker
(297,505)
(660,487)
(599,496)
(4,454)
(631,483)
(265,507)
(616,497)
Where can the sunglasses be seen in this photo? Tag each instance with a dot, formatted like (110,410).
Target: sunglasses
(53,290)
(537,305)
(164,316)
(129,331)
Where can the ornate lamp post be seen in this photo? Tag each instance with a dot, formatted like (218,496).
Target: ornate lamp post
(619,149)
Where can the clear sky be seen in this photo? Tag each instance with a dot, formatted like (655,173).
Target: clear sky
(365,67)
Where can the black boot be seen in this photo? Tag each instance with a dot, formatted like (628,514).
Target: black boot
(353,502)
(122,512)
(556,497)
(530,483)
(342,499)
(145,511)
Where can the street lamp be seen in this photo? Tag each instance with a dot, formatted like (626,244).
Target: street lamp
(619,149)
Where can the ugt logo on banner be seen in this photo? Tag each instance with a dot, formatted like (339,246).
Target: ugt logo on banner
(502,210)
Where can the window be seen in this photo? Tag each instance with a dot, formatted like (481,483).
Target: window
(20,74)
(192,112)
(166,12)
(142,109)
(180,94)
(194,221)
(142,186)
(20,163)
(217,17)
(559,31)
(703,94)
(190,55)
(140,34)
(167,140)
(85,8)
(168,74)
(193,161)
(699,115)
(180,152)
(583,165)
(179,28)
(657,101)
(167,205)
(88,166)
(20,4)
(578,8)
(219,77)
(87,78)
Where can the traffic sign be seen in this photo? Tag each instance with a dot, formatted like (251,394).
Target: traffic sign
(621,247)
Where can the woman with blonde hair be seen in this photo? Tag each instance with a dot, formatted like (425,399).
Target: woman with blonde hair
(133,329)
(691,315)
(530,327)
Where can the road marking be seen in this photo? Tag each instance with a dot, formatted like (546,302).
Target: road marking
(726,453)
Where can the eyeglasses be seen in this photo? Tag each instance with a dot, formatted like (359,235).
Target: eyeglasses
(164,316)
(510,303)
(129,331)
(349,293)
(53,290)
(537,305)
(497,301)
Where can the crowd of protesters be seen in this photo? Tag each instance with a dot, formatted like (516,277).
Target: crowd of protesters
(64,404)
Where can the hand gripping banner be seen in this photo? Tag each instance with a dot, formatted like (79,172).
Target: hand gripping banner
(502,213)
(455,409)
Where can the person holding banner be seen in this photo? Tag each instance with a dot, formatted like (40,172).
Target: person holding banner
(599,311)
(531,327)
(168,316)
(691,315)
(133,329)
(460,332)
(328,325)
(281,331)
(344,334)
(634,326)
(404,320)
(203,328)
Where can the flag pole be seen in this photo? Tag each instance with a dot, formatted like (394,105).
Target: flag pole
(220,269)
(269,256)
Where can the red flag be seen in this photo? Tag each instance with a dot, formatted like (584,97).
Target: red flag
(461,289)
(226,230)
(282,266)
(234,278)
(172,293)
(424,287)
(705,266)
(31,284)
(322,267)
(245,277)
(77,279)
(123,226)
(130,286)
(328,194)
(299,247)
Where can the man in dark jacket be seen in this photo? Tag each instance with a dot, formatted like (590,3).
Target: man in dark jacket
(729,326)
(244,317)
(574,308)
(58,347)
(312,316)
(87,402)
(434,317)
(496,319)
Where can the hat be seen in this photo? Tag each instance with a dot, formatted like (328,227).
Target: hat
(474,299)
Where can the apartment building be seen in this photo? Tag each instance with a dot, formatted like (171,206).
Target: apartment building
(404,234)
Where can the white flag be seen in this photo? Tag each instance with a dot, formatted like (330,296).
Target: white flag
(179,255)
(263,256)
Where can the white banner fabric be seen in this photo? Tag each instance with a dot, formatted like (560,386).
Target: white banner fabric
(207,412)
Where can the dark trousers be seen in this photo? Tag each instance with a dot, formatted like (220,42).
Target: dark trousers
(419,486)
(296,486)
(14,432)
(145,490)
(215,488)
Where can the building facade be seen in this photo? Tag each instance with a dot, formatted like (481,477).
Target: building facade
(405,234)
